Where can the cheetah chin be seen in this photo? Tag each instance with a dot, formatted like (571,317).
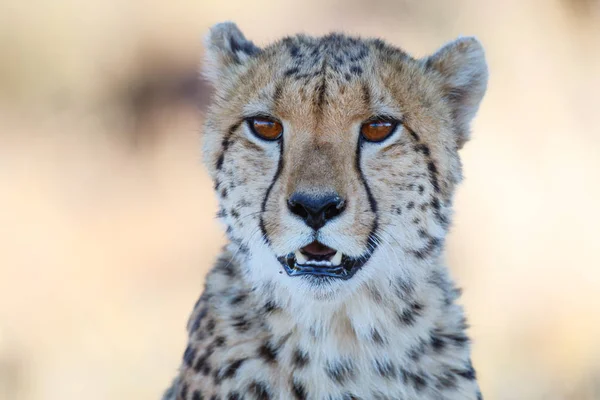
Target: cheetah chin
(319,260)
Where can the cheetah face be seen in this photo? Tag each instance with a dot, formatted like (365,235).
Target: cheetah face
(335,158)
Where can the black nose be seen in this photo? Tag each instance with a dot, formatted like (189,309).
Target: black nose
(316,210)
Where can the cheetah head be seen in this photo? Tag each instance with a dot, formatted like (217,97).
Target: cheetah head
(335,158)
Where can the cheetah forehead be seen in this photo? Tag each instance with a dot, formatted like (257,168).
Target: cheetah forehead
(338,79)
(324,78)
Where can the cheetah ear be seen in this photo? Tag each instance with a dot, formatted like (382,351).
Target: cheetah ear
(226,46)
(463,68)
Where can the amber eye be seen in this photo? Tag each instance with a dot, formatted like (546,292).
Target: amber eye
(266,128)
(376,130)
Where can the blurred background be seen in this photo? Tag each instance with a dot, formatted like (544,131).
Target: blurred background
(107,221)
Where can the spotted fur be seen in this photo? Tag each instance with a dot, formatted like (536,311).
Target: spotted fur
(392,331)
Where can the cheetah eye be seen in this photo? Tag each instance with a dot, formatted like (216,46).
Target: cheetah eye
(378,128)
(265,127)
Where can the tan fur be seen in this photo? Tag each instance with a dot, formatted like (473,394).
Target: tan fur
(392,331)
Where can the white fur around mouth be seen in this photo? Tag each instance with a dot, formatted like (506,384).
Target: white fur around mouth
(334,261)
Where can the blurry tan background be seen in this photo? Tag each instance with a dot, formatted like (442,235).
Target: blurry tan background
(107,217)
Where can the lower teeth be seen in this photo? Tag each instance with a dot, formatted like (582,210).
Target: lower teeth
(335,261)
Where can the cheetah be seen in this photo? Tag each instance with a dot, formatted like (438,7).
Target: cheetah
(335,161)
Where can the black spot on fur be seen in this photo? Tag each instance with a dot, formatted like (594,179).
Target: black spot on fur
(410,205)
(340,371)
(229,371)
(202,365)
(356,70)
(189,355)
(184,391)
(379,44)
(220,341)
(385,369)
(457,339)
(241,324)
(300,358)
(441,218)
(417,380)
(234,396)
(226,266)
(210,326)
(432,245)
(197,395)
(422,149)
(446,381)
(298,390)
(437,343)
(198,319)
(268,352)
(270,306)
(240,298)
(292,47)
(260,390)
(409,315)
(376,336)
(432,169)
(467,373)
(291,71)
(225,143)
(433,176)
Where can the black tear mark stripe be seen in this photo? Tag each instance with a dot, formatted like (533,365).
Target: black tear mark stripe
(266,198)
(226,143)
(371,242)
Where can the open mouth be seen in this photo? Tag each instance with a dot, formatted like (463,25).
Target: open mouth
(319,260)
